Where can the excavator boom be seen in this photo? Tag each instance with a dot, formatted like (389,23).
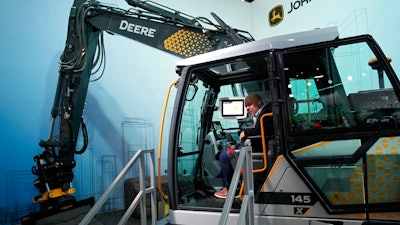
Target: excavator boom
(147,22)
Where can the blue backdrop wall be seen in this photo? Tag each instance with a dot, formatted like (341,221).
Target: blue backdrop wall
(123,109)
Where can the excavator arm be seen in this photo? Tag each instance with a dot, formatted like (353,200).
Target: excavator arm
(148,23)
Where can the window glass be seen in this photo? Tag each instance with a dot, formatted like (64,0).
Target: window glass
(384,171)
(343,90)
(204,154)
(328,149)
(338,88)
(340,184)
(190,124)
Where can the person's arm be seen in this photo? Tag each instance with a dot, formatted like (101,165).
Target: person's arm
(254,131)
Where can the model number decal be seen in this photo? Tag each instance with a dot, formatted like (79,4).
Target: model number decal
(285,198)
(300,199)
(300,210)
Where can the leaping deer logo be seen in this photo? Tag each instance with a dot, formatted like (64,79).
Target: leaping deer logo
(275,15)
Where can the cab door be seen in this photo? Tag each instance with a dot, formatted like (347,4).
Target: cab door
(341,127)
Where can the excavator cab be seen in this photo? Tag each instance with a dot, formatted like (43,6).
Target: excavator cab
(212,119)
(335,111)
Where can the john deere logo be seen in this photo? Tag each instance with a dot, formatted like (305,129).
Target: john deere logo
(275,16)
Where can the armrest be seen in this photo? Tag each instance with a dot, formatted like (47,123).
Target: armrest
(254,137)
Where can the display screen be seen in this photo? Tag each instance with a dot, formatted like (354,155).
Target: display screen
(232,107)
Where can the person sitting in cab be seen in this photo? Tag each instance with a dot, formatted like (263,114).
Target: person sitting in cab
(256,108)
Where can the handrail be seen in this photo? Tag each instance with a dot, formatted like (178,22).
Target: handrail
(162,193)
(264,145)
(246,215)
(265,154)
(141,196)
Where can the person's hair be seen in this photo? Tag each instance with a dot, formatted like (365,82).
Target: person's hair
(253,99)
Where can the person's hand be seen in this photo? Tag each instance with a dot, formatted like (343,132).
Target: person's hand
(241,137)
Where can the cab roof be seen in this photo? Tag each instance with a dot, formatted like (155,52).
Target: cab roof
(277,42)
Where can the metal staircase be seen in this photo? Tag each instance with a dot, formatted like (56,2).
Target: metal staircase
(245,165)
(139,157)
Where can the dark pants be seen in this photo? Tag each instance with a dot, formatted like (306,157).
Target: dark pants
(228,163)
(226,167)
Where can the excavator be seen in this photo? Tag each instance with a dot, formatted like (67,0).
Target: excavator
(333,158)
(146,22)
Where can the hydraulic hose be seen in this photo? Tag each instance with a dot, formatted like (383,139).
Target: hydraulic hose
(163,195)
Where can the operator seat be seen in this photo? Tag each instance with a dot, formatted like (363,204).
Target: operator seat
(210,162)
